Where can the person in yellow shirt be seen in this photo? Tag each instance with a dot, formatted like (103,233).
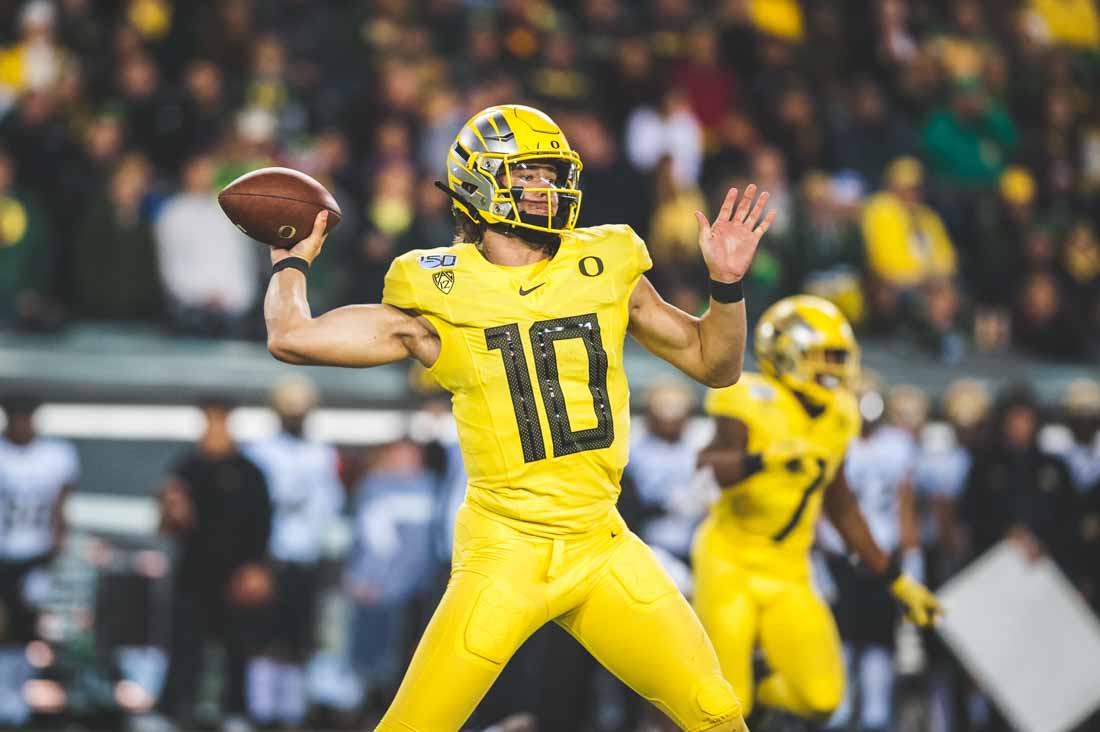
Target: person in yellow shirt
(911,261)
(778,452)
(1073,23)
(523,321)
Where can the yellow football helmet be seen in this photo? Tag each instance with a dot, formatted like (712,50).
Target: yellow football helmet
(490,148)
(807,344)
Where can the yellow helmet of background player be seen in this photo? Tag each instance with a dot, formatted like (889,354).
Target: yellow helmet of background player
(807,344)
(486,153)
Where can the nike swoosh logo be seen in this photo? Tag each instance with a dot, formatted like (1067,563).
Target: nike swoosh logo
(523,292)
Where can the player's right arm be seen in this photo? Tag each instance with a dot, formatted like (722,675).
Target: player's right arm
(726,453)
(729,458)
(355,335)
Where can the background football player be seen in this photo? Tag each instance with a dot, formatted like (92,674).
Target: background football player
(523,320)
(878,467)
(779,454)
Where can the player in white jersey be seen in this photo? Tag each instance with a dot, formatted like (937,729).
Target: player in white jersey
(36,474)
(306,496)
(662,468)
(878,467)
(1081,409)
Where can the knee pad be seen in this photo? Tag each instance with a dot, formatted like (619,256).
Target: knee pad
(822,699)
(716,700)
(500,621)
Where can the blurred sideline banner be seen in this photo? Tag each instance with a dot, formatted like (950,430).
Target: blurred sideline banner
(1027,637)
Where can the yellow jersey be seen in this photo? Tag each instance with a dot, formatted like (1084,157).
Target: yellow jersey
(533,358)
(767,520)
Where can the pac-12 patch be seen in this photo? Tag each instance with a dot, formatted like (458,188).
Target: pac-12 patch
(435,261)
(444,280)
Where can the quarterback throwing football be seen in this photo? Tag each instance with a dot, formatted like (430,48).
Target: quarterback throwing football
(523,321)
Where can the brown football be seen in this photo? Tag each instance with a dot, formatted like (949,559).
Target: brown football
(277,205)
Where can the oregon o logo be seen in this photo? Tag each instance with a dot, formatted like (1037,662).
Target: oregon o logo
(591,266)
(287,232)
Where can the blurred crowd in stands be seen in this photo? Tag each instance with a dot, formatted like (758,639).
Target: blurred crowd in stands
(314,568)
(935,163)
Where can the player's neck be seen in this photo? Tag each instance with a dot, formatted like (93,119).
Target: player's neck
(510,251)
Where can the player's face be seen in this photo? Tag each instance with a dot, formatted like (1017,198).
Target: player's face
(535,175)
(20,427)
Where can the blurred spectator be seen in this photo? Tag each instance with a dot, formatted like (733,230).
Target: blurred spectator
(964,45)
(632,82)
(115,256)
(780,18)
(1052,148)
(611,194)
(796,126)
(214,503)
(201,108)
(432,225)
(268,86)
(967,144)
(392,561)
(208,269)
(662,469)
(947,455)
(558,79)
(826,250)
(303,480)
(1080,260)
(670,130)
(1004,225)
(36,476)
(27,257)
(709,84)
(910,258)
(1075,23)
(1045,321)
(734,142)
(37,60)
(869,135)
(1081,410)
(673,230)
(1016,492)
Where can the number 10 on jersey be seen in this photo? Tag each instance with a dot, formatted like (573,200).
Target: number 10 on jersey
(543,333)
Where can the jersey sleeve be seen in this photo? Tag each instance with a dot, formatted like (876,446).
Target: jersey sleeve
(741,401)
(70,464)
(398,289)
(643,262)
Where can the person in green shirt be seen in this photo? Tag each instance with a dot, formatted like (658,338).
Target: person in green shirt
(967,144)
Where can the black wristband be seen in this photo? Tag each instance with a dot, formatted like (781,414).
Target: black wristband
(291,263)
(751,464)
(893,571)
(727,292)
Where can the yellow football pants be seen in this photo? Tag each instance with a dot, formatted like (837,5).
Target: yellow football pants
(740,607)
(605,588)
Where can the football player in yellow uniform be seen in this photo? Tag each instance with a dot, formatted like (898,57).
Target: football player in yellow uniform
(523,321)
(778,453)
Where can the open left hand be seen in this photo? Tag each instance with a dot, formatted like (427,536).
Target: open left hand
(728,245)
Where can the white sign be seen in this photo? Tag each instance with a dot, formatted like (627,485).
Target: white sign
(1027,637)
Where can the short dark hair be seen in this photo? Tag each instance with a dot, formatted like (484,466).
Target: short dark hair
(216,400)
(19,404)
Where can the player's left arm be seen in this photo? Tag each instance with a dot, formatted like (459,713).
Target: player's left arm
(842,508)
(57,517)
(711,348)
